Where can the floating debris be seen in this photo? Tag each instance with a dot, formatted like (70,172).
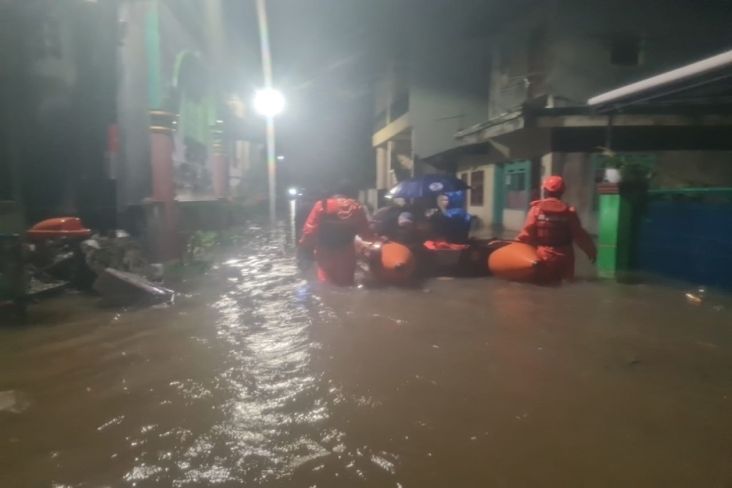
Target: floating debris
(696,297)
(121,288)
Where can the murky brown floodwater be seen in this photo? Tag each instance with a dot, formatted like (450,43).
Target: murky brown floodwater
(259,378)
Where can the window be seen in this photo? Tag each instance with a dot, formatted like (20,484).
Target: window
(477,185)
(625,51)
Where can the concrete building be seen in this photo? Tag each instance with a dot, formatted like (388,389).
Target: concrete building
(546,59)
(86,89)
(57,85)
(432,87)
(186,144)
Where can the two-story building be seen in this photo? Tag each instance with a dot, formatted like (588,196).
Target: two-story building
(430,88)
(543,62)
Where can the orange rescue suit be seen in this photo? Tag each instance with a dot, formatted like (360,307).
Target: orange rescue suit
(330,228)
(552,226)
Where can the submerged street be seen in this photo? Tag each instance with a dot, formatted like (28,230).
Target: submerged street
(256,376)
(334,243)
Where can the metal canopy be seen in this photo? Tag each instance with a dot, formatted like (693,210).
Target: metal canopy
(699,82)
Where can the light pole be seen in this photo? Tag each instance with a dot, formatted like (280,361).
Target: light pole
(269,103)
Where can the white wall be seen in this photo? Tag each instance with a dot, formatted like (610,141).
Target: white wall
(484,212)
(579,176)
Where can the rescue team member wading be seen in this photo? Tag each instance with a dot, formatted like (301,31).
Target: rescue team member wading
(330,229)
(552,226)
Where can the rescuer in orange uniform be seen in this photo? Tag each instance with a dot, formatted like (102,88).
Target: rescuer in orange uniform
(552,226)
(329,230)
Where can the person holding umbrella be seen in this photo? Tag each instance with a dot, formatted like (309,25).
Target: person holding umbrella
(436,195)
(451,224)
(427,187)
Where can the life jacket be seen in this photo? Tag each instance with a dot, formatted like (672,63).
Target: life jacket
(336,229)
(553,223)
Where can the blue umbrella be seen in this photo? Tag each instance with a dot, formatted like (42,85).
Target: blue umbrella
(427,186)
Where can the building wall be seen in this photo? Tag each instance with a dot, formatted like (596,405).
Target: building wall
(579,174)
(392,130)
(57,82)
(577,169)
(695,169)
(518,59)
(133,169)
(169,58)
(381,89)
(671,169)
(447,93)
(513,220)
(444,79)
(559,53)
(484,213)
(582,35)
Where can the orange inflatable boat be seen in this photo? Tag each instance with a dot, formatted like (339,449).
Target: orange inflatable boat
(465,260)
(515,262)
(389,262)
(397,264)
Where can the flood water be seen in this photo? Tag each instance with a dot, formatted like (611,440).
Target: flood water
(258,377)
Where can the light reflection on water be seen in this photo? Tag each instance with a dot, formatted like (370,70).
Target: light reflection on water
(273,417)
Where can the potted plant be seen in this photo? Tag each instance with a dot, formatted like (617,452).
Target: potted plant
(635,173)
(613,164)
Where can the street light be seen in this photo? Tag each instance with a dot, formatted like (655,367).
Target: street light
(269,102)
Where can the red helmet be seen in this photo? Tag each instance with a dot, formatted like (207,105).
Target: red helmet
(554,184)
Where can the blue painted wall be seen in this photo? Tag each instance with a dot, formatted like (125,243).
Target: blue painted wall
(687,240)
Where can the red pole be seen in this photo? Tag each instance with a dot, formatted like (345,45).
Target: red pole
(163,184)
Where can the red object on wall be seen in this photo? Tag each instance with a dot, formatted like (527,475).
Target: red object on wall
(59,227)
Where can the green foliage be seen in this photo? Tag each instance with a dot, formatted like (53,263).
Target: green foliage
(200,246)
(633,168)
